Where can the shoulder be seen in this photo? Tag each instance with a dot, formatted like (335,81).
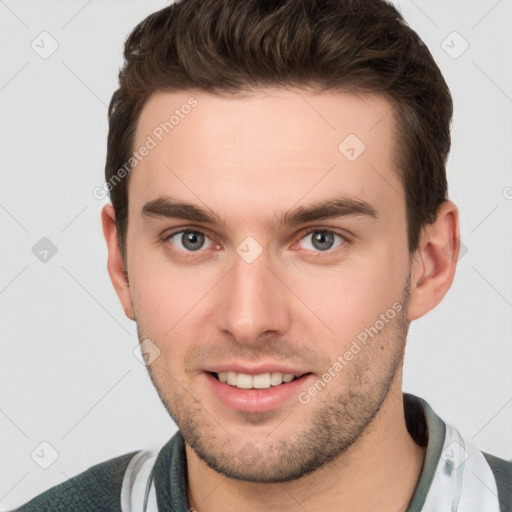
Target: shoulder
(97,488)
(502,471)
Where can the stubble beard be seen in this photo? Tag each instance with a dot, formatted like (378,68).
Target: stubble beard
(333,423)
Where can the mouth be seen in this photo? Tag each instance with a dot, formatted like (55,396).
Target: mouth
(257,388)
(260,381)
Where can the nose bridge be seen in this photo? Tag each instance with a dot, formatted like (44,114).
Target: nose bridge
(252,301)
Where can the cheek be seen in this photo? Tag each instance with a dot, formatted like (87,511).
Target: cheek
(349,298)
(163,298)
(163,305)
(168,297)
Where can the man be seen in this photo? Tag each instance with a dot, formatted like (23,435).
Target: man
(279,216)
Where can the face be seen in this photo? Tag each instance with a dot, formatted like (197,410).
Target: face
(267,241)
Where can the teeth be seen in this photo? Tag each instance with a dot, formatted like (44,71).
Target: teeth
(244,381)
(261,381)
(276,378)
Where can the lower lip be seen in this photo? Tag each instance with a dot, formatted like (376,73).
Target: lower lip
(257,400)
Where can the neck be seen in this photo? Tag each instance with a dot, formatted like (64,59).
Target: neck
(379,471)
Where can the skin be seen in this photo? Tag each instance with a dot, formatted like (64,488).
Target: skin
(248,159)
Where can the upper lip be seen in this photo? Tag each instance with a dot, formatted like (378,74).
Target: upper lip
(256,369)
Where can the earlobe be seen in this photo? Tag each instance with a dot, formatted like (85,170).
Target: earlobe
(115,263)
(435,261)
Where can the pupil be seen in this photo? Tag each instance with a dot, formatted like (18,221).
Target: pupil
(192,240)
(323,240)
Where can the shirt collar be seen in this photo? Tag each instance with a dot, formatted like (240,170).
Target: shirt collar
(427,429)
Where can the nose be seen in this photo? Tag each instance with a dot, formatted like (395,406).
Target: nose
(253,303)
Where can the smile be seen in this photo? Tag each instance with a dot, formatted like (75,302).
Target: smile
(260,381)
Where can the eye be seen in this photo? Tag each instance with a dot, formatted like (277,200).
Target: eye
(188,240)
(322,240)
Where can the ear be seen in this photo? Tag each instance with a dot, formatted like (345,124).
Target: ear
(115,263)
(434,261)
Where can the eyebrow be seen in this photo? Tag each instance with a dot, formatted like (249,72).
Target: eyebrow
(170,208)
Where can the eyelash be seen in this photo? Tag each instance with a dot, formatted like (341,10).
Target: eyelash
(346,240)
(342,246)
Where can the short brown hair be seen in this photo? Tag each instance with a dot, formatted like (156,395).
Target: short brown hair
(234,46)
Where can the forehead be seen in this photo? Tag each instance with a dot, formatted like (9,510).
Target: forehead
(266,148)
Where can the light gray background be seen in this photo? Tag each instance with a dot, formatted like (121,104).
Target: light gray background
(68,373)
